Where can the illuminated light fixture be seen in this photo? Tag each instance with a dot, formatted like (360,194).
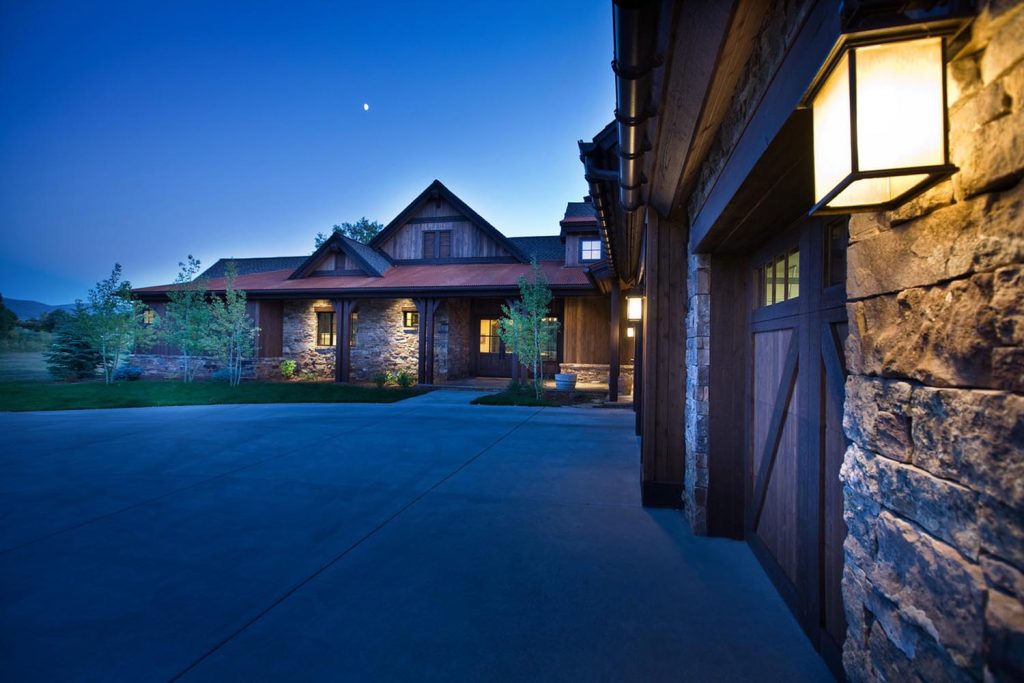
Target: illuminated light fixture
(630,332)
(880,124)
(634,308)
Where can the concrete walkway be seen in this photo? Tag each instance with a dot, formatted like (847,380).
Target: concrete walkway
(426,540)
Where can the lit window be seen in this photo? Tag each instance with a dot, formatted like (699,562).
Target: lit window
(778,280)
(590,250)
(148,316)
(550,349)
(325,328)
(490,342)
(410,319)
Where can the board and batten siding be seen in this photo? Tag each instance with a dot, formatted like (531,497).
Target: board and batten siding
(585,325)
(467,241)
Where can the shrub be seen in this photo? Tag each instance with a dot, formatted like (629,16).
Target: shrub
(380,378)
(309,376)
(404,379)
(130,374)
(223,375)
(288,368)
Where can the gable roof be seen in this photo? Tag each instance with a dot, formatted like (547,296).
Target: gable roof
(544,248)
(372,262)
(584,209)
(437,189)
(251,266)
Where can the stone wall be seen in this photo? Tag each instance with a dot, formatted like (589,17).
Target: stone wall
(934,475)
(382,343)
(298,339)
(157,366)
(698,361)
(597,373)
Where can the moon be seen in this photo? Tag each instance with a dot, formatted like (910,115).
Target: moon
(366,107)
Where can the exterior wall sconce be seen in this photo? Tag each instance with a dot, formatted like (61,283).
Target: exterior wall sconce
(634,308)
(880,123)
(630,332)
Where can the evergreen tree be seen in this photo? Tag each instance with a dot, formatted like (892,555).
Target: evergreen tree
(70,356)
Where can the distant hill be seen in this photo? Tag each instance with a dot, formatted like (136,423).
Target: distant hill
(31,310)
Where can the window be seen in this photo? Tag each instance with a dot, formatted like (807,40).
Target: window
(148,316)
(836,237)
(489,340)
(590,250)
(410,319)
(325,328)
(437,244)
(550,349)
(778,280)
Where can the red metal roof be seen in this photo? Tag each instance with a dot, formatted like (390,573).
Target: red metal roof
(455,276)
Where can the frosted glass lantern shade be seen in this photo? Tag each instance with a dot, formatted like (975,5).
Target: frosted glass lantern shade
(634,308)
(880,126)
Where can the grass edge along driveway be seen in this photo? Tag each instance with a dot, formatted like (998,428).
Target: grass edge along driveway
(24,396)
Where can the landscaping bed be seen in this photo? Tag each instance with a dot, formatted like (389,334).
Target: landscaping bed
(21,396)
(549,399)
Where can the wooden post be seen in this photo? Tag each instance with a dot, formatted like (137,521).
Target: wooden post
(664,381)
(613,342)
(638,377)
(342,331)
(514,358)
(426,309)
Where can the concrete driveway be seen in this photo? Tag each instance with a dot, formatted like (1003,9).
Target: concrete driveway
(426,540)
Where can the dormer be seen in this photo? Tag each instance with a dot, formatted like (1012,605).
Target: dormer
(341,255)
(583,243)
(438,227)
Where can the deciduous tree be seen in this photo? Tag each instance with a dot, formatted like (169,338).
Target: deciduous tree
(525,328)
(363,230)
(115,321)
(232,335)
(186,320)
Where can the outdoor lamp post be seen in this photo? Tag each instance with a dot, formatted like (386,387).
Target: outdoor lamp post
(880,124)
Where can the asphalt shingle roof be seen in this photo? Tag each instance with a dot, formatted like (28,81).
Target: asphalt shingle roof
(579,210)
(545,248)
(376,259)
(251,266)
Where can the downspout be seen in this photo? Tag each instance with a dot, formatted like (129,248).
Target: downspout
(635,25)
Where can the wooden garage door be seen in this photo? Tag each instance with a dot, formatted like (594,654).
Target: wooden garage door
(796,444)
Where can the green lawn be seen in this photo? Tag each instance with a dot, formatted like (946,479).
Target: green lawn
(19,396)
(19,366)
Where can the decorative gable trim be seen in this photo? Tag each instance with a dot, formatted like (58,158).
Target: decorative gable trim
(434,190)
(370,261)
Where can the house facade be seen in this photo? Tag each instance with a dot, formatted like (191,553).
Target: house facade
(842,388)
(424,296)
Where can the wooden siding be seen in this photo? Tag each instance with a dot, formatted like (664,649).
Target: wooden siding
(327,264)
(586,330)
(270,320)
(468,241)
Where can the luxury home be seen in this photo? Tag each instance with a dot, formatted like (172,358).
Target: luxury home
(425,296)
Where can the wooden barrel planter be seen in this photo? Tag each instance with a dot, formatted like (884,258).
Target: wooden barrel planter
(565,381)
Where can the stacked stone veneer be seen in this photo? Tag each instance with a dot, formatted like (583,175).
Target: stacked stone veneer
(382,343)
(934,474)
(698,360)
(598,373)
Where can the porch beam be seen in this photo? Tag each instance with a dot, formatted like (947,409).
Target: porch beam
(426,309)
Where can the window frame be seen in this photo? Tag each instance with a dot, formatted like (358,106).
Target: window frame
(332,334)
(413,315)
(582,249)
(437,239)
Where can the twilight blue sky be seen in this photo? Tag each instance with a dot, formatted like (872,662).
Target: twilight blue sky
(142,131)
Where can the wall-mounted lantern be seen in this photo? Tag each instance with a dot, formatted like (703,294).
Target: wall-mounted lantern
(634,308)
(880,124)
(630,332)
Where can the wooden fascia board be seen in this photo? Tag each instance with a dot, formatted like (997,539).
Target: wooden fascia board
(694,36)
(812,46)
